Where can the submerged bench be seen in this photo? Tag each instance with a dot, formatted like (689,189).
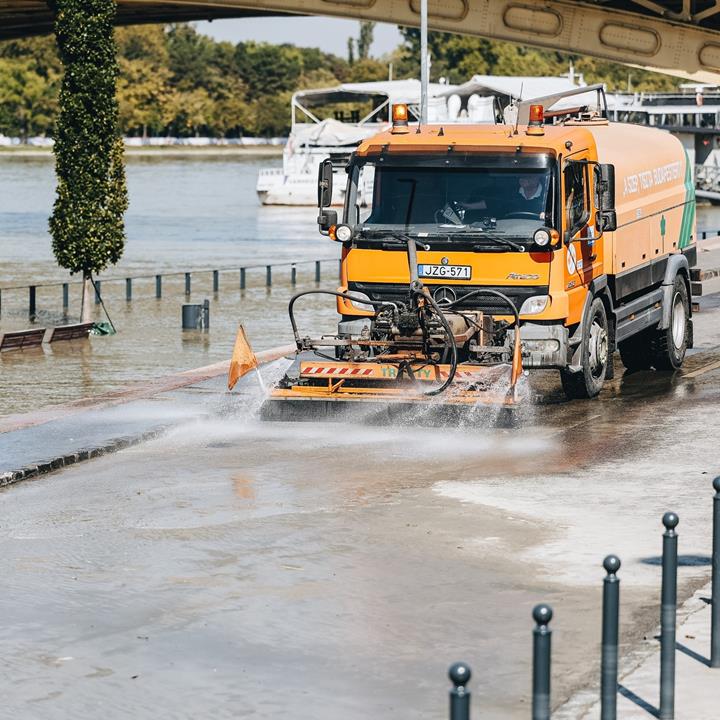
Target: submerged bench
(68,332)
(19,339)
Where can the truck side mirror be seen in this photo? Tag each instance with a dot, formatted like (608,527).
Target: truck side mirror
(326,218)
(325,183)
(606,198)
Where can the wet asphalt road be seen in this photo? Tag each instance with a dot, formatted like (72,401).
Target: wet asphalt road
(265,570)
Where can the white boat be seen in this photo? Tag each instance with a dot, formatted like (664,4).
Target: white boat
(312,140)
(482,99)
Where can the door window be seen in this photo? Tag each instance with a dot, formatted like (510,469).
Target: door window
(576,206)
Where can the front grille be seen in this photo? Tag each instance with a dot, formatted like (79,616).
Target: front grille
(489,304)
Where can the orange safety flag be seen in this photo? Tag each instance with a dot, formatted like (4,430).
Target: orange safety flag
(243,359)
(517,367)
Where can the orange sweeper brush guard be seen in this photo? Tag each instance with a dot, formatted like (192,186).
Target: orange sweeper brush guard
(413,355)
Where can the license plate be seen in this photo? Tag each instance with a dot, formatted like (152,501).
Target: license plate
(457,272)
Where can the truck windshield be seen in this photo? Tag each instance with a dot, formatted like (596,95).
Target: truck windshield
(453,200)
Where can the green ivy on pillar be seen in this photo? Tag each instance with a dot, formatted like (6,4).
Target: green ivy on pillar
(87,223)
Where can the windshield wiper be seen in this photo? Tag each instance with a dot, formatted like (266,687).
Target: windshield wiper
(495,237)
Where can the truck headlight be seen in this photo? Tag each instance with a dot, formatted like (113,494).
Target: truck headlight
(356,299)
(535,305)
(343,233)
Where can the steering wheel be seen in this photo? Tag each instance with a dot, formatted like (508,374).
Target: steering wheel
(522,214)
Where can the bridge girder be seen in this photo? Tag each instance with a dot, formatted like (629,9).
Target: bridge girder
(679,37)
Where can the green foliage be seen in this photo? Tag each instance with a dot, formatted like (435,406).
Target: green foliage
(175,81)
(367,30)
(87,222)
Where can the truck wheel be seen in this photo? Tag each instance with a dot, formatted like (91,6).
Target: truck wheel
(668,346)
(594,356)
(635,351)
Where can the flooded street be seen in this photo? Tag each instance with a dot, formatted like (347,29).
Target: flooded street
(243,569)
(185,214)
(239,568)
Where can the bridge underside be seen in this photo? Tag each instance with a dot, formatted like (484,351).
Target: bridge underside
(680,37)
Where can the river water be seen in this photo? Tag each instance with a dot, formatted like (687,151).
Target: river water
(186,214)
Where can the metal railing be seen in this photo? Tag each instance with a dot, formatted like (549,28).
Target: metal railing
(243,272)
(460,673)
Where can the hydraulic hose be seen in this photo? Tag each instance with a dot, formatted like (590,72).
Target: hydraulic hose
(451,343)
(347,296)
(487,291)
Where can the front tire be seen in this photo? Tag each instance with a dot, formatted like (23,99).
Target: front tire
(668,346)
(594,356)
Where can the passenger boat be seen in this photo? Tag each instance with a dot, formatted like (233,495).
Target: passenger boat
(360,110)
(692,114)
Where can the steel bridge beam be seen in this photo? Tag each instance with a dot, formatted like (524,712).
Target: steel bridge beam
(680,37)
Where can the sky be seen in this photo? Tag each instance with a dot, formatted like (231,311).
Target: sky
(330,34)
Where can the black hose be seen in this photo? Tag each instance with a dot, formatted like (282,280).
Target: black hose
(347,296)
(451,343)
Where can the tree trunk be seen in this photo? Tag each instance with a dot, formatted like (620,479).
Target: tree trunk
(87,298)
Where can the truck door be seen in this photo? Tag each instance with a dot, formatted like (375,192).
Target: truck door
(582,261)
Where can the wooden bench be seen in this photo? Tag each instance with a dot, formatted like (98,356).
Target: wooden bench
(21,339)
(68,332)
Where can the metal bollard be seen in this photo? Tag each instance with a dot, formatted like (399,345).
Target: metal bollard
(668,617)
(66,296)
(216,281)
(242,278)
(98,292)
(293,275)
(268,276)
(128,289)
(158,286)
(460,675)
(187,283)
(704,234)
(715,606)
(32,302)
(317,271)
(609,661)
(542,637)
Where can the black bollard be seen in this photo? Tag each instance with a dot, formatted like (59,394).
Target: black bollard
(668,617)
(66,296)
(460,675)
(158,286)
(268,275)
(216,281)
(128,289)
(609,662)
(242,278)
(293,275)
(317,271)
(187,283)
(715,607)
(542,636)
(32,305)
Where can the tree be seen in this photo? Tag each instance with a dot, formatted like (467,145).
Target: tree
(365,40)
(87,223)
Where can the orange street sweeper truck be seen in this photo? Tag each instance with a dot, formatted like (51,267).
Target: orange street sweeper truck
(547,243)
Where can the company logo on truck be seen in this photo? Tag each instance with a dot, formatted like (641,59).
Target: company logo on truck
(649,178)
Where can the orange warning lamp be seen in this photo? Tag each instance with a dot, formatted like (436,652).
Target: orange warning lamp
(400,119)
(537,118)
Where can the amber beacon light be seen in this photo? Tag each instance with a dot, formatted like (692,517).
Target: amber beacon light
(400,118)
(536,120)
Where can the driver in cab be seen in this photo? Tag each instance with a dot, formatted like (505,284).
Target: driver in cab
(528,199)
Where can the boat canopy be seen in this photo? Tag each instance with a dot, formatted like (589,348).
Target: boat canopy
(380,93)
